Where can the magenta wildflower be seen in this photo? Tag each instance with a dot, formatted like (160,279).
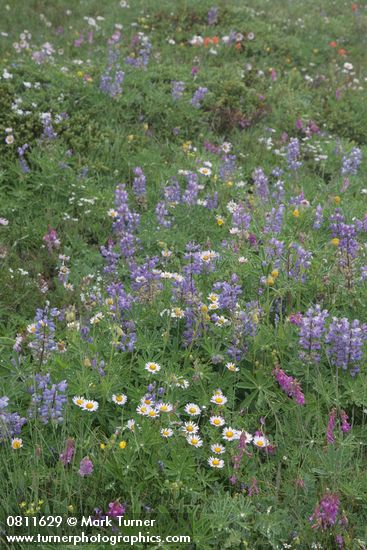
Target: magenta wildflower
(67,455)
(85,467)
(115,509)
(289,385)
(330,427)
(326,512)
(345,426)
(253,488)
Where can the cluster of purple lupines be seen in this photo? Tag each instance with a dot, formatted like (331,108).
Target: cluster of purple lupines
(145,278)
(312,329)
(326,512)
(141,51)
(178,88)
(22,160)
(227,167)
(10,423)
(120,303)
(162,214)
(228,293)
(261,184)
(274,220)
(198,96)
(345,341)
(299,262)
(351,162)
(319,217)
(113,77)
(126,223)
(43,333)
(48,131)
(241,219)
(48,399)
(51,240)
(274,250)
(139,184)
(289,385)
(189,196)
(293,154)
(213,16)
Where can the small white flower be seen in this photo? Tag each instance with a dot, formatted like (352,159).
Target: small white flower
(166,432)
(119,399)
(217,448)
(260,441)
(230,434)
(90,406)
(152,367)
(217,421)
(194,440)
(215,462)
(192,409)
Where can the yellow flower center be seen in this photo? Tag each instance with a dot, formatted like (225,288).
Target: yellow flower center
(89,406)
(216,421)
(192,409)
(229,434)
(215,462)
(260,443)
(122,444)
(17,445)
(219,400)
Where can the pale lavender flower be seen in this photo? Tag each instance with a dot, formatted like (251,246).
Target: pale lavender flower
(351,162)
(345,344)
(178,88)
(213,16)
(67,455)
(312,329)
(86,467)
(261,184)
(198,97)
(293,154)
(319,216)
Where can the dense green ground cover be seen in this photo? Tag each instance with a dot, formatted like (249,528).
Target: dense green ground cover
(183,227)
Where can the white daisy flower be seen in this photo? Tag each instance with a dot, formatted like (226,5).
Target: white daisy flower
(232,367)
(217,421)
(166,432)
(16,443)
(78,400)
(165,407)
(90,406)
(152,367)
(119,399)
(192,409)
(194,440)
(260,441)
(218,399)
(215,462)
(190,428)
(205,171)
(217,448)
(230,434)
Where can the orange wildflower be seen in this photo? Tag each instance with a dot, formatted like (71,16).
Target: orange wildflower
(207,41)
(342,51)
(333,44)
(215,40)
